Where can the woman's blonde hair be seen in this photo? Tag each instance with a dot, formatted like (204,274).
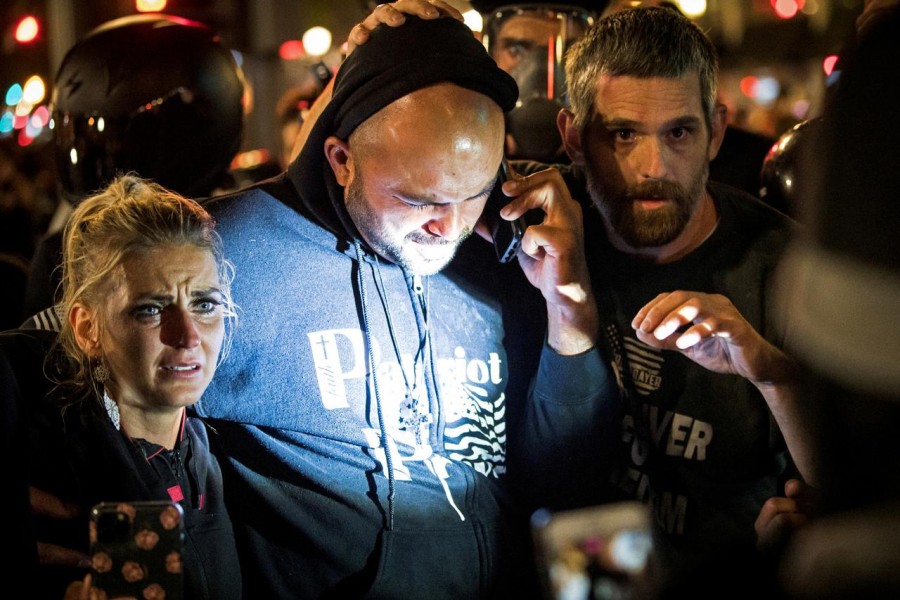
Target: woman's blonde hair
(132,215)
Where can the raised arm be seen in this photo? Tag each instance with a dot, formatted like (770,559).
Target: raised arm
(392,15)
(553,260)
(708,329)
(573,405)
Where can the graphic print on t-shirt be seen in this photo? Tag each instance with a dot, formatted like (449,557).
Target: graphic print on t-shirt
(646,364)
(650,430)
(474,431)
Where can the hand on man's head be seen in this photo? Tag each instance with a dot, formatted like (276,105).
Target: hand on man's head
(393,15)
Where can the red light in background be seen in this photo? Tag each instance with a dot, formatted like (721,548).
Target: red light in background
(27,30)
(23,138)
(40,117)
(748,86)
(291,50)
(828,63)
(787,9)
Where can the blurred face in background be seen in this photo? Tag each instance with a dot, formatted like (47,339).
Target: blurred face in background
(519,34)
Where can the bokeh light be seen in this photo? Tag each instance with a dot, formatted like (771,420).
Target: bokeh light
(317,41)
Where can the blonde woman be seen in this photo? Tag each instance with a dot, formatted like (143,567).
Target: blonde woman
(147,312)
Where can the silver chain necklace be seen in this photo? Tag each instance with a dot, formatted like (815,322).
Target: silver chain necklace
(414,414)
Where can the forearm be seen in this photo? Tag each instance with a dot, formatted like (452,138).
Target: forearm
(781,390)
(785,403)
(311,117)
(777,377)
(573,328)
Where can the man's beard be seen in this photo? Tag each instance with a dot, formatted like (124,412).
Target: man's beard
(380,240)
(641,228)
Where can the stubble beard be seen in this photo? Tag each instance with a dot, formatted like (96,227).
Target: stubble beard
(640,228)
(379,239)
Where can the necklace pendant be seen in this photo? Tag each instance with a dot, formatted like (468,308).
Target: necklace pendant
(422,429)
(412,417)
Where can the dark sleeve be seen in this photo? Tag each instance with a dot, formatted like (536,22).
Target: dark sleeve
(560,450)
(43,275)
(215,556)
(23,558)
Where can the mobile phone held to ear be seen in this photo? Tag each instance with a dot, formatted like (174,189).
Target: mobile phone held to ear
(136,549)
(507,235)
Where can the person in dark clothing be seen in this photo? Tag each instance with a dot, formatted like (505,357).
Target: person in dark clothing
(363,416)
(680,267)
(529,40)
(184,142)
(145,304)
(740,160)
(22,218)
(708,424)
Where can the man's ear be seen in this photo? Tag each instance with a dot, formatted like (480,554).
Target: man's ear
(717,134)
(87,333)
(571,136)
(338,154)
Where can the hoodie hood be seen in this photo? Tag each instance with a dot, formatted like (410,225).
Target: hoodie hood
(396,61)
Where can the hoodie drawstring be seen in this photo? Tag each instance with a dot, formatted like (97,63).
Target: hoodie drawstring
(382,428)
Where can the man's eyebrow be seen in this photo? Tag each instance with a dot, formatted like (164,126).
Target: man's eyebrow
(685,121)
(508,41)
(620,123)
(486,190)
(418,200)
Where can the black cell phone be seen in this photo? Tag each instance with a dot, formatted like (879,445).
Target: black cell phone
(136,549)
(507,235)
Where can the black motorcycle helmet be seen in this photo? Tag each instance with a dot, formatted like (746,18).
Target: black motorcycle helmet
(155,94)
(783,167)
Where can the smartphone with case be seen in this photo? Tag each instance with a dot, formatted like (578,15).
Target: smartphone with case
(507,235)
(136,549)
(595,553)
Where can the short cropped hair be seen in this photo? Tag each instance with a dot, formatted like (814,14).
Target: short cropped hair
(640,42)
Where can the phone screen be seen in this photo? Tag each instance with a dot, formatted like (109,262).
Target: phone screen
(594,553)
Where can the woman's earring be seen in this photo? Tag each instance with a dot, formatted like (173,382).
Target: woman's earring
(100,372)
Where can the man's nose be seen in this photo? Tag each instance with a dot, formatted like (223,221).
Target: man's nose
(448,223)
(651,158)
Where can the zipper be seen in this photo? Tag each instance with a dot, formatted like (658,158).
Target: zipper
(435,415)
(178,464)
(419,289)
